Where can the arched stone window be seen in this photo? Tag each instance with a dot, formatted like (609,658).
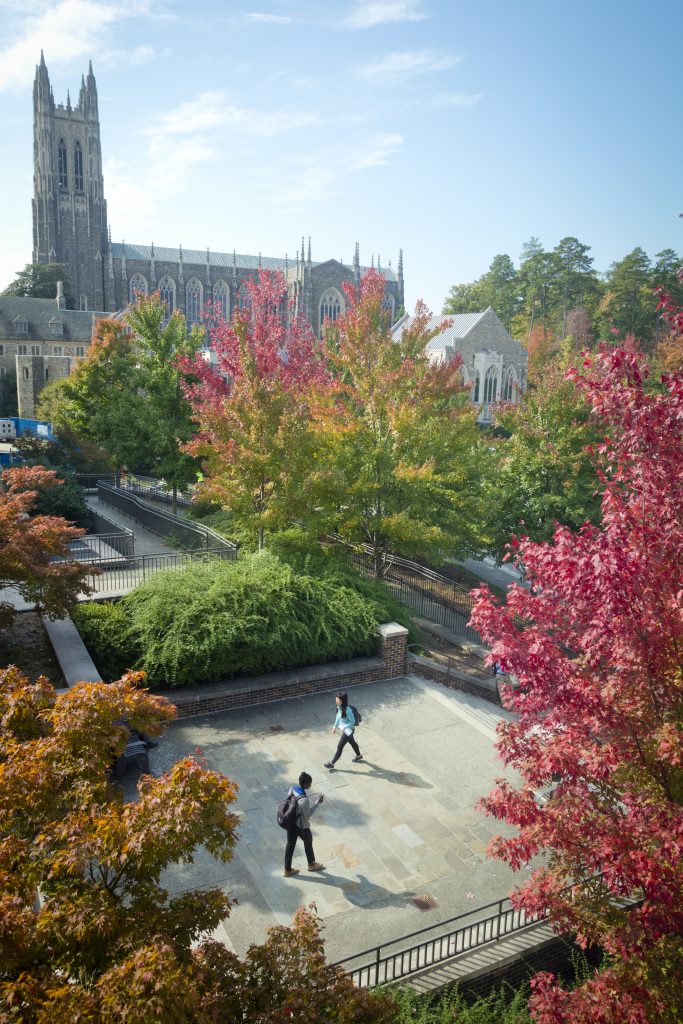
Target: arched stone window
(138,285)
(78,167)
(475,392)
(331,306)
(491,384)
(62,174)
(509,385)
(244,297)
(221,295)
(83,302)
(167,293)
(389,303)
(193,301)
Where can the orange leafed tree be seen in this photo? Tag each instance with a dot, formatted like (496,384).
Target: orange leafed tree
(29,543)
(87,931)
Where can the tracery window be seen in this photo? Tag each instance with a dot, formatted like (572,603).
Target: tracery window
(78,167)
(509,382)
(220,299)
(244,297)
(475,393)
(62,176)
(193,301)
(167,294)
(389,303)
(330,307)
(137,285)
(83,302)
(490,384)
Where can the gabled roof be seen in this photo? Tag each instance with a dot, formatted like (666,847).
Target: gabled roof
(460,326)
(224,260)
(39,313)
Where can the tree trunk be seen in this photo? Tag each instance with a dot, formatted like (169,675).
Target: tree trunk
(174,502)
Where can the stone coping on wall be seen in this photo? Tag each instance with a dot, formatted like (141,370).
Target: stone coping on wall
(243,691)
(486,688)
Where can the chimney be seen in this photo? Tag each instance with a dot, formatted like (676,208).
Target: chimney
(61,303)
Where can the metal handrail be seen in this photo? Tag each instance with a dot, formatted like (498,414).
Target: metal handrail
(382,969)
(163,523)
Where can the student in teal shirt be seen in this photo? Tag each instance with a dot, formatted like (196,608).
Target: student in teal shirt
(347,723)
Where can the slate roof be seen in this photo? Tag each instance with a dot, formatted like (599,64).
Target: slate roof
(461,325)
(197,257)
(39,313)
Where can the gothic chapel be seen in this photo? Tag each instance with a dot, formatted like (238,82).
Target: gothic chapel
(70,226)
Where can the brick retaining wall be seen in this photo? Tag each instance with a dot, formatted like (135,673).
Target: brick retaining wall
(420,666)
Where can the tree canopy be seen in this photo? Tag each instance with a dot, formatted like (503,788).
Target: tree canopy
(89,934)
(39,281)
(595,645)
(29,542)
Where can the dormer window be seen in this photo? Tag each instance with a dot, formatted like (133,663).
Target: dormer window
(21,325)
(56,329)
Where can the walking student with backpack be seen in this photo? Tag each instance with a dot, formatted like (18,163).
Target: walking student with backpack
(294,815)
(347,719)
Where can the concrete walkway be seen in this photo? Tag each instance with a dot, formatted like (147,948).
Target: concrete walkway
(501,576)
(400,825)
(146,543)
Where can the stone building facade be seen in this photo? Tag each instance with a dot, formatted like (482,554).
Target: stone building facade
(70,227)
(494,364)
(40,341)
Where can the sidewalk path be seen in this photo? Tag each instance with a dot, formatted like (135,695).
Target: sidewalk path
(146,543)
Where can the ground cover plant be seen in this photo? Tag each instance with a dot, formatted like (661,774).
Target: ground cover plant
(209,621)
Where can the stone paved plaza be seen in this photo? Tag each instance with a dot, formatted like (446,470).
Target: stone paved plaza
(397,826)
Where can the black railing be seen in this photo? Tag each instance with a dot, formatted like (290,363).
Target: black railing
(154,490)
(183,533)
(120,578)
(120,538)
(391,961)
(429,594)
(88,481)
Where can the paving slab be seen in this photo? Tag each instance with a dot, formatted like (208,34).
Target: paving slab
(399,825)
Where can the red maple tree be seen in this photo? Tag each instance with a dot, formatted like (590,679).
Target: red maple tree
(29,543)
(252,404)
(599,712)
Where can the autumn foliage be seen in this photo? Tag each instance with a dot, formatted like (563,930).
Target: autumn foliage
(29,543)
(87,931)
(598,739)
(252,407)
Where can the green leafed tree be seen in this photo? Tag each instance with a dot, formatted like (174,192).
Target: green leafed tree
(543,473)
(399,442)
(39,281)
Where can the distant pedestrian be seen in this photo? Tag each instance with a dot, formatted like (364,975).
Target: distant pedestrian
(302,829)
(345,721)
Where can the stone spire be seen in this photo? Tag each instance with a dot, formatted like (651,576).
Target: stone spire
(180,265)
(124,268)
(208,266)
(111,257)
(308,260)
(152,266)
(356,265)
(234,269)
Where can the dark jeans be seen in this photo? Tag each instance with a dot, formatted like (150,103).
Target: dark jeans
(344,739)
(292,835)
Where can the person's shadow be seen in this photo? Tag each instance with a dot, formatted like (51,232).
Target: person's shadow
(361,893)
(377,772)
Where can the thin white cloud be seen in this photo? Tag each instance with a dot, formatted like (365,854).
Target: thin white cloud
(384,12)
(319,179)
(143,54)
(70,29)
(376,152)
(271,19)
(213,109)
(456,99)
(403,63)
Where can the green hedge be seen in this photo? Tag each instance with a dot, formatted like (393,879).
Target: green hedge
(209,621)
(105,630)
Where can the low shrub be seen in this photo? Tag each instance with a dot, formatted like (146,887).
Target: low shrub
(105,631)
(504,1006)
(213,620)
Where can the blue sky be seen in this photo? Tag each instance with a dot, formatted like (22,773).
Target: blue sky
(452,130)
